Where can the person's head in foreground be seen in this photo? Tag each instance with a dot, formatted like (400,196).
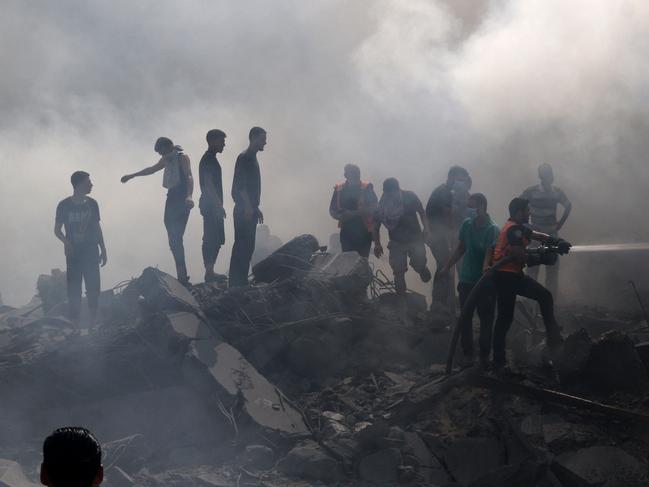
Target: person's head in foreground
(71,458)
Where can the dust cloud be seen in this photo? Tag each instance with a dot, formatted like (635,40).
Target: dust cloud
(402,88)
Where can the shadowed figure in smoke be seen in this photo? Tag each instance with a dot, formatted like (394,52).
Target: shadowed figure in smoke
(177,179)
(71,458)
(544,199)
(83,241)
(511,282)
(477,237)
(211,201)
(265,244)
(246,193)
(397,211)
(445,209)
(353,203)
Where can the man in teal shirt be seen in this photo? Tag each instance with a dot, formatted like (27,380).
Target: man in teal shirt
(477,237)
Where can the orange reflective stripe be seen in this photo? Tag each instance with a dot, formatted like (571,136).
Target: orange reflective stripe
(503,248)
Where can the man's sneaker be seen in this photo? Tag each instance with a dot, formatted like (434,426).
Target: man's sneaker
(425,275)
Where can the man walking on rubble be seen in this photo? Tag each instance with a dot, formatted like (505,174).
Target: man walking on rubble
(246,193)
(544,198)
(211,201)
(397,211)
(510,280)
(445,212)
(353,204)
(83,243)
(477,237)
(177,179)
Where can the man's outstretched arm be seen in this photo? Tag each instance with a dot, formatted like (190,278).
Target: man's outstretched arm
(146,172)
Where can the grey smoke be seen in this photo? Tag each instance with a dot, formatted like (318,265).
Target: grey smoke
(401,88)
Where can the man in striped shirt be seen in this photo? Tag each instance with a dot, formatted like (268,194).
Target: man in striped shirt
(544,199)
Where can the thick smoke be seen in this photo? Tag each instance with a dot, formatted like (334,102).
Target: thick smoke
(401,88)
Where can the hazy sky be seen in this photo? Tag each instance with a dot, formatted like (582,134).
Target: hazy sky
(403,88)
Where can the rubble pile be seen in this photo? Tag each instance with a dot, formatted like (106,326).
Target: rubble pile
(306,378)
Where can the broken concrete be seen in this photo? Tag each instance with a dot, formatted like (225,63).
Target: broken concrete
(599,465)
(469,459)
(216,366)
(308,460)
(381,467)
(292,257)
(11,475)
(161,292)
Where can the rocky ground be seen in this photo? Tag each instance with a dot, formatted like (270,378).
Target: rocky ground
(317,375)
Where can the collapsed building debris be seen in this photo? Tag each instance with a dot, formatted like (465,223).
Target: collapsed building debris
(317,374)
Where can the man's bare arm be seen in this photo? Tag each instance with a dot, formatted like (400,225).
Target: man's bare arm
(58,231)
(567,208)
(102,247)
(145,172)
(455,257)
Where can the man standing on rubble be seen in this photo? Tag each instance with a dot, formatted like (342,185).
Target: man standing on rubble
(397,211)
(83,242)
(211,201)
(510,280)
(177,179)
(444,212)
(353,204)
(544,198)
(246,193)
(477,237)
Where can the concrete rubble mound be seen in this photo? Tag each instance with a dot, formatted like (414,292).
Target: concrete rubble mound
(318,374)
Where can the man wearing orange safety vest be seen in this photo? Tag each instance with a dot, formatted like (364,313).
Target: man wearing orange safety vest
(510,280)
(353,204)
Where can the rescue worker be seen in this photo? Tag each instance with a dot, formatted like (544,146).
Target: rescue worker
(477,237)
(177,179)
(353,204)
(83,243)
(246,193)
(397,211)
(511,282)
(442,214)
(544,199)
(211,202)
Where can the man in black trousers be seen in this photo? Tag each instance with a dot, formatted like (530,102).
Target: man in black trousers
(246,193)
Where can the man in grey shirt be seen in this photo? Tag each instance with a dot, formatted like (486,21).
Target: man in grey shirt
(544,199)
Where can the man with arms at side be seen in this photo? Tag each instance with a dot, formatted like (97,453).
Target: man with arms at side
(177,179)
(441,211)
(246,193)
(211,201)
(477,237)
(71,458)
(353,204)
(83,242)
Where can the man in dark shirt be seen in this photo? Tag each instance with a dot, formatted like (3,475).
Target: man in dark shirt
(71,457)
(442,214)
(510,280)
(211,201)
(397,211)
(246,193)
(353,203)
(178,180)
(83,241)
(544,199)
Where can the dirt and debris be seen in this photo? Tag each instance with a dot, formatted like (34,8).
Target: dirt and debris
(317,374)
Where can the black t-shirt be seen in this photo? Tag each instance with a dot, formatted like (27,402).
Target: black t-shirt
(408,229)
(247,177)
(439,205)
(179,192)
(209,169)
(80,220)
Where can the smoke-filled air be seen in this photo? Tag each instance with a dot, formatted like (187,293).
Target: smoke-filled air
(324,243)
(403,89)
